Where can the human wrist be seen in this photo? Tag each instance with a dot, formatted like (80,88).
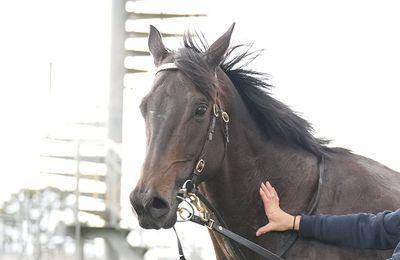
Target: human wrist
(288,222)
(292,222)
(296,225)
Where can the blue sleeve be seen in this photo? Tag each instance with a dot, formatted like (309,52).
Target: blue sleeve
(380,231)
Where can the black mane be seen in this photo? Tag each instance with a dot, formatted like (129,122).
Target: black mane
(274,117)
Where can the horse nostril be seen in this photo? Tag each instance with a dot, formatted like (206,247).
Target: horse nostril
(158,207)
(158,203)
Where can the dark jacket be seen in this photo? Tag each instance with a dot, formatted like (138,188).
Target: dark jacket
(380,231)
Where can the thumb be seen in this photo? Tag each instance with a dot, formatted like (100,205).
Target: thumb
(265,229)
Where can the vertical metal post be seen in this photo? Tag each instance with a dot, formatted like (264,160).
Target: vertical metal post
(113,178)
(118,35)
(78,239)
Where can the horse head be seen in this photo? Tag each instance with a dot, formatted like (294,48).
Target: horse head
(178,112)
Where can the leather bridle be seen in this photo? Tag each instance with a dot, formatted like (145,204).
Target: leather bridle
(190,194)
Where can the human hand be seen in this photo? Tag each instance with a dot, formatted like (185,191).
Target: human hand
(279,220)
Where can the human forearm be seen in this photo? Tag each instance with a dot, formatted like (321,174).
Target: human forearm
(355,230)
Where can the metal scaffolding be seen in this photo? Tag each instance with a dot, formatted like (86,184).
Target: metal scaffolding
(82,201)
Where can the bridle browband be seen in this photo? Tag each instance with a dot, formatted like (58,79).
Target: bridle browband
(190,192)
(166,66)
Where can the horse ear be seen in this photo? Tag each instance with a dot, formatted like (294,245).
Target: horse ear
(217,50)
(156,46)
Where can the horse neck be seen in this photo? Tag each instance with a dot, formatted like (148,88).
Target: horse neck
(252,158)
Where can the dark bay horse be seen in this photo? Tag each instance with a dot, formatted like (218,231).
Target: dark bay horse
(268,141)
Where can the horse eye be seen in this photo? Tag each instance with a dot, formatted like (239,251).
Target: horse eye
(201,110)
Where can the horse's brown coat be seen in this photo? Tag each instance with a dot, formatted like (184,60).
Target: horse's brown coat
(256,152)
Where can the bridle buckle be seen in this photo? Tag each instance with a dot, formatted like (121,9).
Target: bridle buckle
(210,223)
(225,117)
(215,110)
(200,165)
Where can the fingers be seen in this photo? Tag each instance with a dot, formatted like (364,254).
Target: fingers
(269,197)
(270,192)
(263,196)
(263,230)
(275,193)
(266,190)
(265,200)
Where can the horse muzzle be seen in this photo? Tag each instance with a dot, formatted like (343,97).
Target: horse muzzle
(153,211)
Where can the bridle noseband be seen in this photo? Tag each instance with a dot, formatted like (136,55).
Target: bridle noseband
(190,194)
